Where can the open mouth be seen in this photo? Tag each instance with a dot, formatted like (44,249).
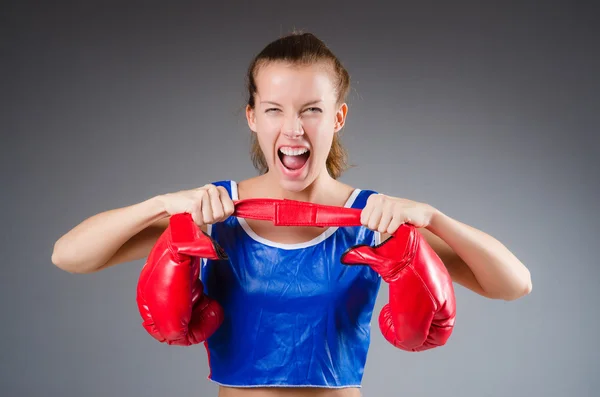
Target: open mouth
(293,159)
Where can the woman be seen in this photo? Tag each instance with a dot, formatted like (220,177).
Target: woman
(289,330)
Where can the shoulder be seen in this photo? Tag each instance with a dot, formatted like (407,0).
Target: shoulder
(358,197)
(250,187)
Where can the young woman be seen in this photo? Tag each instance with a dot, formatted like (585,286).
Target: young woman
(296,320)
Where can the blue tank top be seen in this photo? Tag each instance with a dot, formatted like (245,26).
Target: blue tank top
(295,316)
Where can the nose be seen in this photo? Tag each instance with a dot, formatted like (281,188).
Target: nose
(292,127)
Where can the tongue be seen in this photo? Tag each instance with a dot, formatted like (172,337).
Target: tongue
(294,162)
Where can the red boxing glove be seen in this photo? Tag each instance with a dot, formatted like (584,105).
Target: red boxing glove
(170,295)
(421,310)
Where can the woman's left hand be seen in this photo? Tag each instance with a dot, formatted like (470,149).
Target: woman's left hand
(385,214)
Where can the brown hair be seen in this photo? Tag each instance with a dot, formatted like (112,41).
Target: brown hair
(301,49)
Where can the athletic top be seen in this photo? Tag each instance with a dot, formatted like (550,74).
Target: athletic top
(295,316)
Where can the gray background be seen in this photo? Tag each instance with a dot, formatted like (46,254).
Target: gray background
(487,111)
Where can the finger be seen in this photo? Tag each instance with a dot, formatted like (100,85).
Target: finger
(366,212)
(216,209)
(207,215)
(375,217)
(396,222)
(386,218)
(226,201)
(205,187)
(196,212)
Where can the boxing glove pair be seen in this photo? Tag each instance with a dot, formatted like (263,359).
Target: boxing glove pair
(419,316)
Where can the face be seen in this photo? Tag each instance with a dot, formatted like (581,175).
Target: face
(295,118)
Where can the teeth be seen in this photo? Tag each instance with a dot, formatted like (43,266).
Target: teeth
(292,152)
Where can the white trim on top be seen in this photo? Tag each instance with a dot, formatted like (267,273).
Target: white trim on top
(288,246)
(250,386)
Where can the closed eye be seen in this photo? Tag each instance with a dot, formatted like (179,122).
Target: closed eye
(313,109)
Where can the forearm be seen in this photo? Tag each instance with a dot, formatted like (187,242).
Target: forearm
(94,241)
(500,274)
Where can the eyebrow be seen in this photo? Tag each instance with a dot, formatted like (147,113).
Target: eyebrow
(306,104)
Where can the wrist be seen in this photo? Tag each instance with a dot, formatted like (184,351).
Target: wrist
(435,219)
(158,207)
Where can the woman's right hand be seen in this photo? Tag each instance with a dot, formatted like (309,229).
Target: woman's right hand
(208,204)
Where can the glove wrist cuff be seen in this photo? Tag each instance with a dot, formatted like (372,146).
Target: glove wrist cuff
(392,273)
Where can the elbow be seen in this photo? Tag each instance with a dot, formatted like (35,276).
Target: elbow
(61,263)
(64,262)
(511,293)
(59,259)
(523,290)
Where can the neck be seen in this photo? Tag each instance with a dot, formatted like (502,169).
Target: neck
(316,192)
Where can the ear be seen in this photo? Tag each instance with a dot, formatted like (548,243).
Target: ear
(251,118)
(340,117)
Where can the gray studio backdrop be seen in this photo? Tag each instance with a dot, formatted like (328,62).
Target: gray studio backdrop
(487,112)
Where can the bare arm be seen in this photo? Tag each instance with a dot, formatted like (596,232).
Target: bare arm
(477,260)
(129,233)
(111,237)
(487,269)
